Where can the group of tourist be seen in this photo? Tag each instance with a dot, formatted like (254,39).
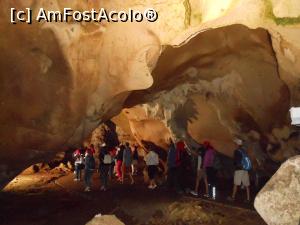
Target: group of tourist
(120,160)
(123,161)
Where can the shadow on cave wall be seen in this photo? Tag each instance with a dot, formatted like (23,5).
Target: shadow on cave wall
(110,136)
(185,113)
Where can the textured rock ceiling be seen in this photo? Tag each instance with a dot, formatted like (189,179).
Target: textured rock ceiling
(207,69)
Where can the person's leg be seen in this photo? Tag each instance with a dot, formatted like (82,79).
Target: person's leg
(132,169)
(90,178)
(149,170)
(131,177)
(180,177)
(248,193)
(110,171)
(85,178)
(76,171)
(104,177)
(234,191)
(130,173)
(208,177)
(169,178)
(196,189)
(107,176)
(237,180)
(205,182)
(155,171)
(197,182)
(119,169)
(101,176)
(238,176)
(136,167)
(177,176)
(246,183)
(80,173)
(123,172)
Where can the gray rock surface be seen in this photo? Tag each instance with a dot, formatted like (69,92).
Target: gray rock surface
(279,201)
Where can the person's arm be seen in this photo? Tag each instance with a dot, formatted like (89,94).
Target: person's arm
(191,151)
(124,155)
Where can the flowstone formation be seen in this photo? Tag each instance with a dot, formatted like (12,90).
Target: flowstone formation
(204,70)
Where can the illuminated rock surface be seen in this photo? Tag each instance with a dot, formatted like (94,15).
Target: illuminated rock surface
(204,70)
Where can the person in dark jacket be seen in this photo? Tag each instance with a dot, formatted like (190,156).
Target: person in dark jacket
(135,159)
(113,153)
(89,162)
(241,176)
(105,161)
(172,179)
(183,163)
(126,166)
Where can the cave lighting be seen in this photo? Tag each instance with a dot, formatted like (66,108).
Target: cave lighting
(213,10)
(295,115)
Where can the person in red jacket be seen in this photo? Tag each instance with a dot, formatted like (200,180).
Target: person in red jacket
(91,149)
(183,166)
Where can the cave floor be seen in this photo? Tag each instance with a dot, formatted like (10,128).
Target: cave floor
(54,199)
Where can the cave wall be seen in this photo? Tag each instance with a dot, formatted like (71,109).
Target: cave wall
(59,81)
(224,83)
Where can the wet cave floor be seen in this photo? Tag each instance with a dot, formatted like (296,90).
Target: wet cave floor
(53,198)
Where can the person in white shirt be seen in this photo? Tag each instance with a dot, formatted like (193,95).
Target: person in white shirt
(152,161)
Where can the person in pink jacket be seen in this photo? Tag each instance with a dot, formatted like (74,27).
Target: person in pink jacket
(208,166)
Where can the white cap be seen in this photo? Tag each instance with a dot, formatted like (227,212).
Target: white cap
(103,145)
(238,141)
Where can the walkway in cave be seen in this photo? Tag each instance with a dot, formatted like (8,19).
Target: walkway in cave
(62,201)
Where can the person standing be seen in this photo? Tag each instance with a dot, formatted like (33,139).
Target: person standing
(172,179)
(183,166)
(79,164)
(135,159)
(113,152)
(127,159)
(152,162)
(119,158)
(89,169)
(208,165)
(105,160)
(92,149)
(201,173)
(242,165)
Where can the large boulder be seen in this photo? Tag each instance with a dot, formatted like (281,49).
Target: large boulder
(279,201)
(105,220)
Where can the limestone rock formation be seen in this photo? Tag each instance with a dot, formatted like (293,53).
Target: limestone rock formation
(279,201)
(205,70)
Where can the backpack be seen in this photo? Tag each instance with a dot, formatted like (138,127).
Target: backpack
(245,163)
(107,159)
